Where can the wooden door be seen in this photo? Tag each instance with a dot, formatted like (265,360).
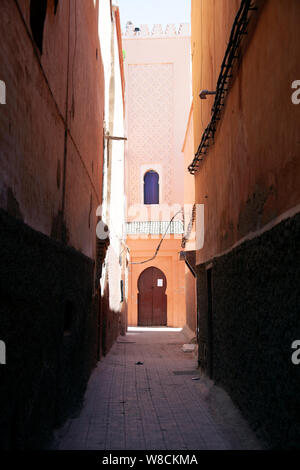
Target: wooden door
(152,299)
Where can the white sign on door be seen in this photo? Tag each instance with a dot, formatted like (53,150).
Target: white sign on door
(160,282)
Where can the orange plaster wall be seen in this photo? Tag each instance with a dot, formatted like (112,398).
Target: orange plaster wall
(188,155)
(54,180)
(189,198)
(174,270)
(250,176)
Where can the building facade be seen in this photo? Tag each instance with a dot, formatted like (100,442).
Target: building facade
(157,77)
(246,171)
(114,276)
(51,167)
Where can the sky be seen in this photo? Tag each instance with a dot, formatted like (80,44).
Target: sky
(154,11)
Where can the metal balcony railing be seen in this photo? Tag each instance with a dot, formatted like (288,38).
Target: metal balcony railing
(154,228)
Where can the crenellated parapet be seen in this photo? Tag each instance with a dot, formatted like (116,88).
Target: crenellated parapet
(143,31)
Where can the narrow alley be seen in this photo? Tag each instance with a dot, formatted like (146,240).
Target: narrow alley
(131,406)
(149,226)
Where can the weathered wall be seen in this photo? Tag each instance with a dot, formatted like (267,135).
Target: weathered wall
(47,367)
(249,183)
(243,179)
(255,319)
(51,146)
(47,94)
(113,206)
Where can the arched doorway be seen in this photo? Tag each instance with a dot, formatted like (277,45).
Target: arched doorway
(152,299)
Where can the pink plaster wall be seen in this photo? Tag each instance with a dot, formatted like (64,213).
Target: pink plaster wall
(157,76)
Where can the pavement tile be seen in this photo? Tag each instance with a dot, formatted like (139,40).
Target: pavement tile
(147,407)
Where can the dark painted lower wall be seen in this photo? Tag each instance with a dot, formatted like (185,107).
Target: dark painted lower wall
(48,320)
(255,318)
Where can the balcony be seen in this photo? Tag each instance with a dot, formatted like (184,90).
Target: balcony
(155,228)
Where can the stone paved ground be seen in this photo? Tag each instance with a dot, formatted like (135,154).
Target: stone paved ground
(148,407)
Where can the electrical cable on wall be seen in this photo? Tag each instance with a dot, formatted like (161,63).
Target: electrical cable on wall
(160,243)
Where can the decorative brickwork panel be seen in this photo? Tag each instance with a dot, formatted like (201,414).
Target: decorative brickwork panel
(150,125)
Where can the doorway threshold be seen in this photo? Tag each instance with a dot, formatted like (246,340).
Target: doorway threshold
(138,329)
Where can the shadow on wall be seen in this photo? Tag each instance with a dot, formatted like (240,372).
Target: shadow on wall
(245,341)
(48,323)
(38,10)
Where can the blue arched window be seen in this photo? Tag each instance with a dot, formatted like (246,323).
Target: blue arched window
(151,187)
